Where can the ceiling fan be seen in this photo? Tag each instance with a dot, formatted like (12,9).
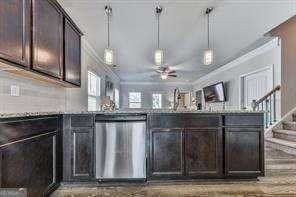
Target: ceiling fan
(166,72)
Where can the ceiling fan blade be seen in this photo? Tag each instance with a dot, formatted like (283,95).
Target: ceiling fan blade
(158,71)
(153,75)
(173,75)
(172,71)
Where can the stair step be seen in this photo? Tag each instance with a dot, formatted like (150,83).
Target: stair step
(283,145)
(280,161)
(288,135)
(289,125)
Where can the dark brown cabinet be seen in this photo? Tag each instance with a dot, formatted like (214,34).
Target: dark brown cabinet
(72,67)
(30,159)
(166,153)
(245,147)
(179,146)
(22,166)
(15,31)
(82,153)
(186,153)
(185,146)
(78,140)
(40,41)
(47,38)
(203,152)
(189,146)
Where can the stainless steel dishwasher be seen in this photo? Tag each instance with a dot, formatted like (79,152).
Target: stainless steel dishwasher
(120,147)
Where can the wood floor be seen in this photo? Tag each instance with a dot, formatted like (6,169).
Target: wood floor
(280,180)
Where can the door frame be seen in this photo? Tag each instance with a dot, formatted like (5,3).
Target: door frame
(242,82)
(201,97)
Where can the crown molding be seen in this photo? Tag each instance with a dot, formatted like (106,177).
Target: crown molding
(236,62)
(87,47)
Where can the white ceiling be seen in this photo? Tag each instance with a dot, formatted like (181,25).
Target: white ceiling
(235,26)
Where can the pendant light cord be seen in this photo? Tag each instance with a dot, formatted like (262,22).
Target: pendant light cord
(158,11)
(208,12)
(158,30)
(108,11)
(208,30)
(108,44)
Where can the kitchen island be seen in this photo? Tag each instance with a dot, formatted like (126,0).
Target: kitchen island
(182,145)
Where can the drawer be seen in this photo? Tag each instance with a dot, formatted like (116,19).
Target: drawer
(244,120)
(16,129)
(120,117)
(167,121)
(82,120)
(199,121)
(185,120)
(243,129)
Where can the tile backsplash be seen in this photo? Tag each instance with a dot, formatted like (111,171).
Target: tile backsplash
(34,95)
(37,96)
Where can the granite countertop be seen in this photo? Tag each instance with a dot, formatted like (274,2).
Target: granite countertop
(27,114)
(142,111)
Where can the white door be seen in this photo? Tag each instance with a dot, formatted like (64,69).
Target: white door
(256,85)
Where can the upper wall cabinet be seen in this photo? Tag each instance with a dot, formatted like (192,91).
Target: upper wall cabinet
(39,40)
(72,54)
(15,31)
(47,38)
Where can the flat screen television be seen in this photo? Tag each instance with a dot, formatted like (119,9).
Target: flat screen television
(214,93)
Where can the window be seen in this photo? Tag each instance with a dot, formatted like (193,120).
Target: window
(92,103)
(134,100)
(93,90)
(156,101)
(116,97)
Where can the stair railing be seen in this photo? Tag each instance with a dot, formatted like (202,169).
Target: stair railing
(267,104)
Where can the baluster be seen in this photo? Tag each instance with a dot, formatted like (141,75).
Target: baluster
(254,105)
(266,113)
(268,104)
(270,111)
(274,107)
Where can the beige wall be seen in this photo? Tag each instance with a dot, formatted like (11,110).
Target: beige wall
(287,33)
(266,56)
(40,96)
(35,96)
(77,98)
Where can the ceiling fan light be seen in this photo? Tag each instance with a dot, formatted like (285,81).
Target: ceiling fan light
(164,76)
(159,57)
(109,56)
(208,57)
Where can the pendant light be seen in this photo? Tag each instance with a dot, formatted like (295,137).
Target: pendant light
(159,53)
(208,57)
(109,54)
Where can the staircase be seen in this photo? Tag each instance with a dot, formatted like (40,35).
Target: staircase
(284,139)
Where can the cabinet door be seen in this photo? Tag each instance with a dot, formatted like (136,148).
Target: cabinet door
(244,152)
(203,152)
(47,38)
(72,71)
(15,31)
(30,164)
(166,151)
(82,166)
